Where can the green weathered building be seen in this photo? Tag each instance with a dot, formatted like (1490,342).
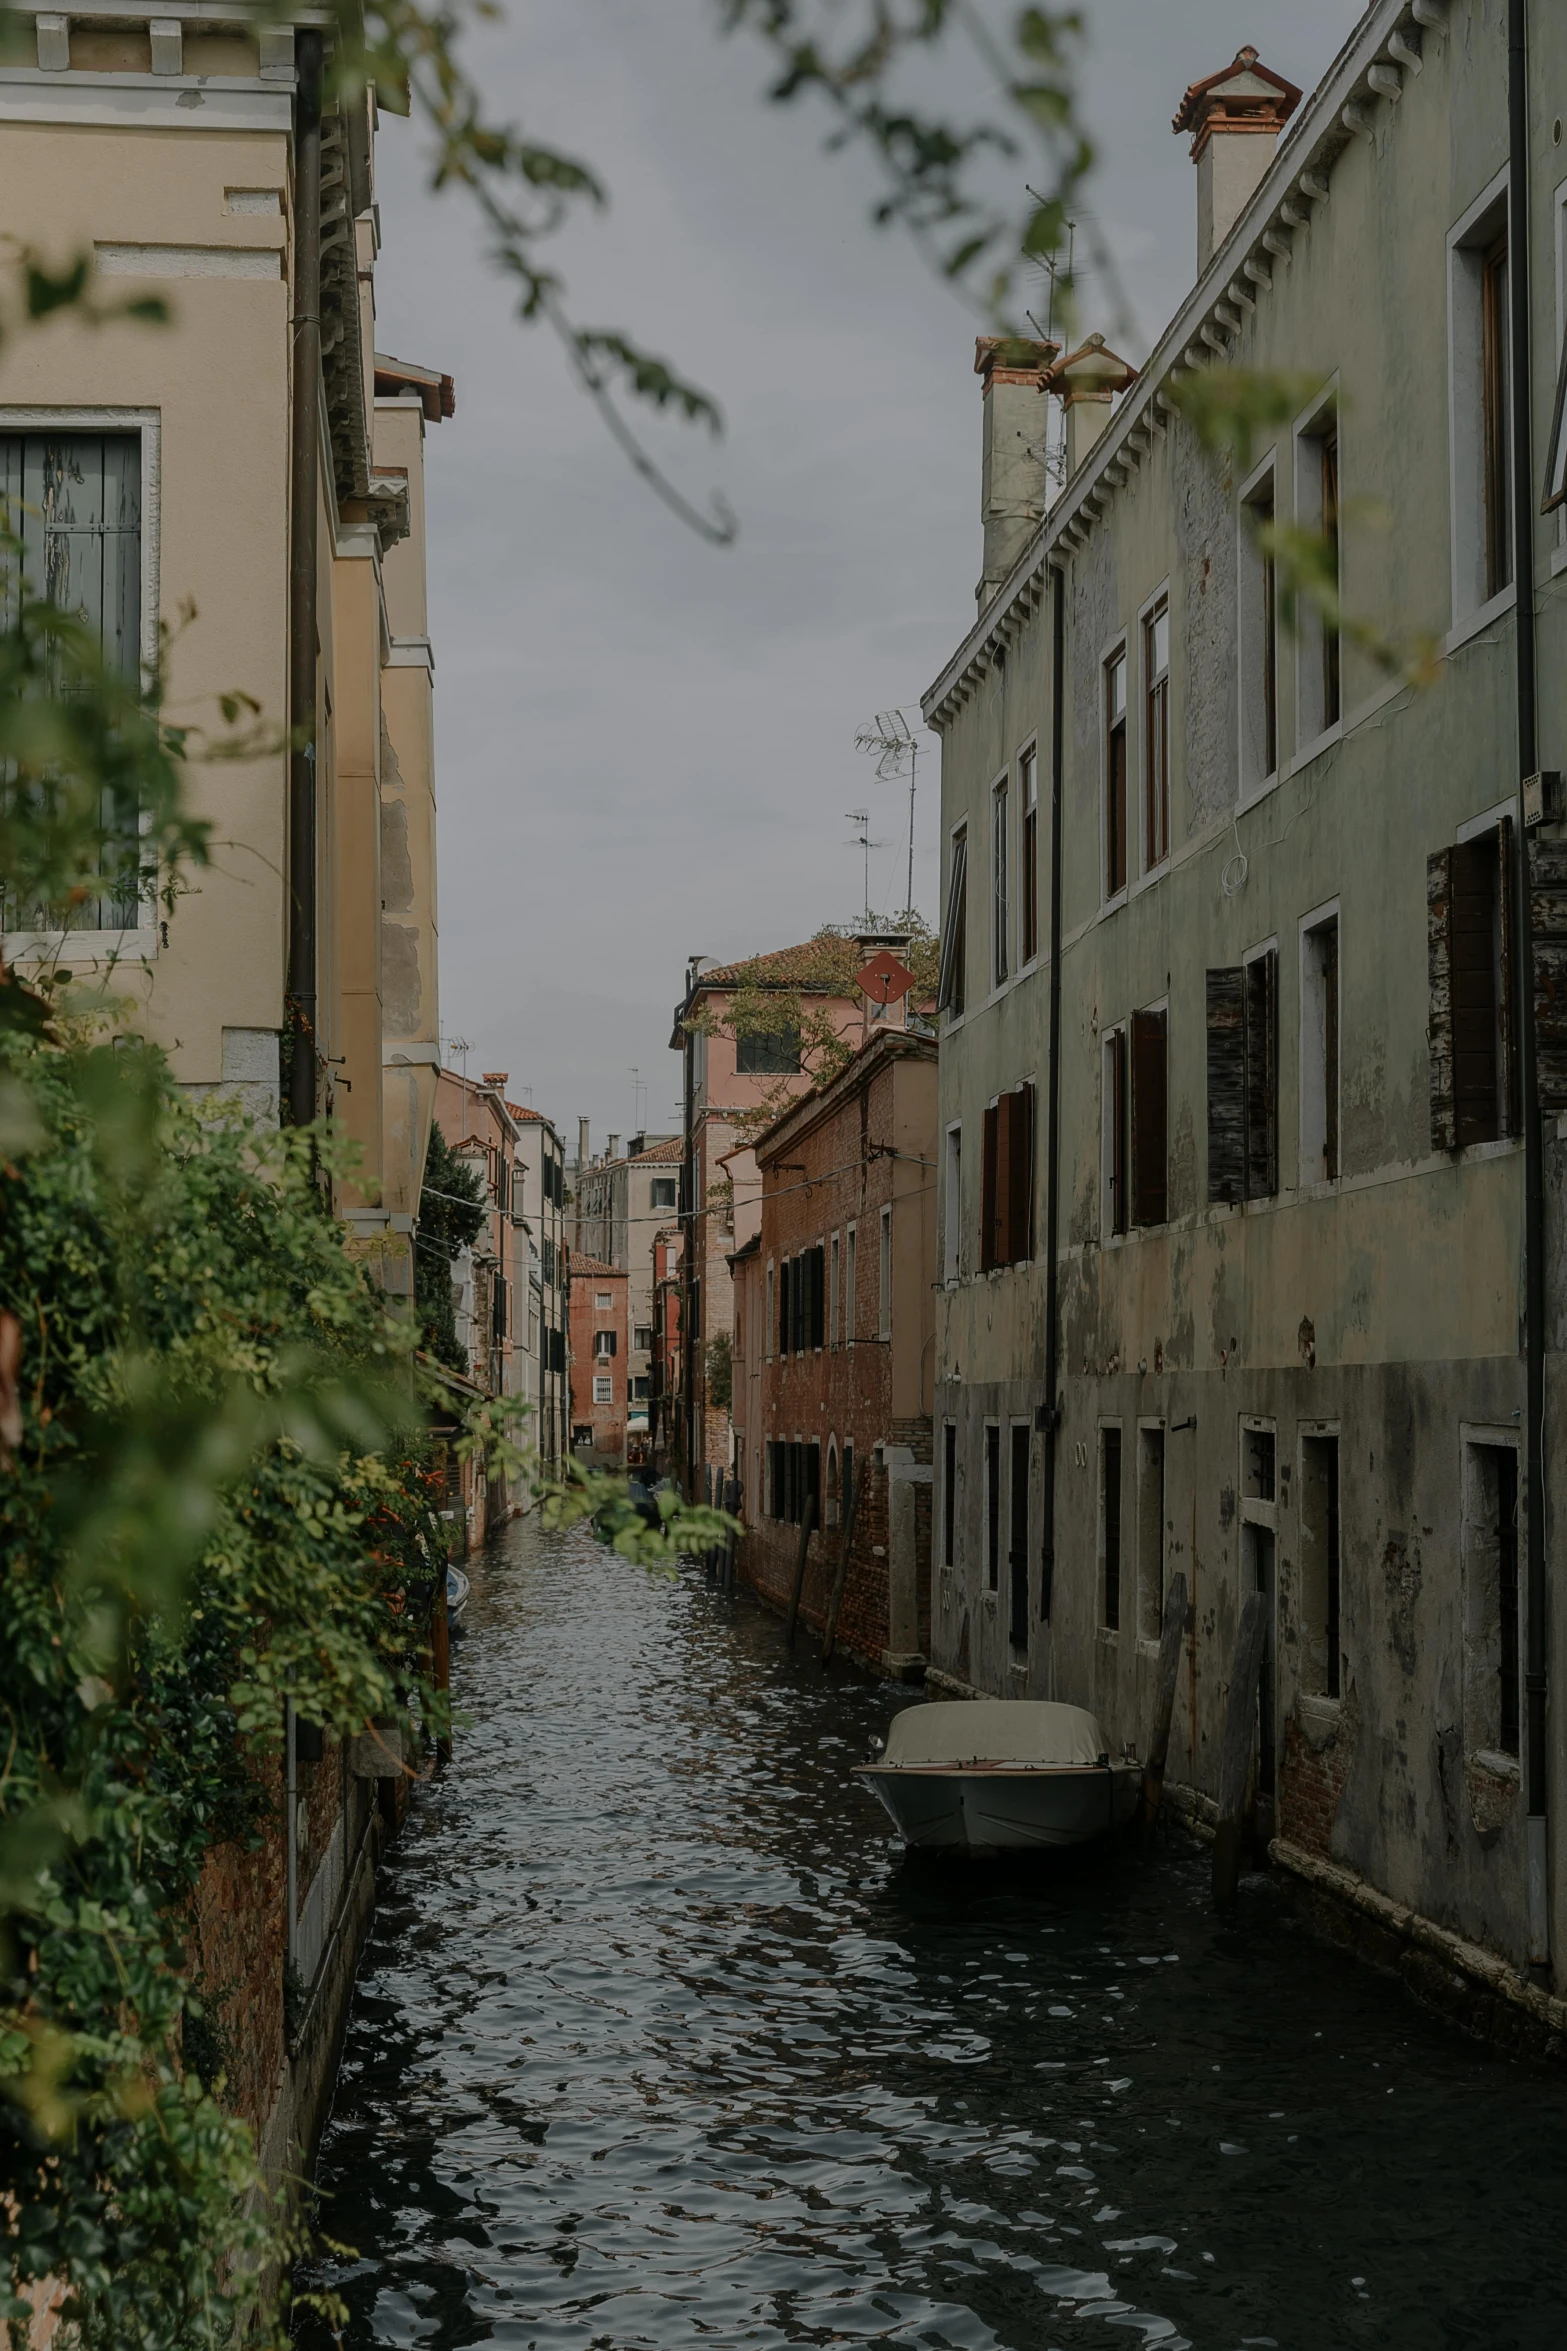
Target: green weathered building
(1289,1178)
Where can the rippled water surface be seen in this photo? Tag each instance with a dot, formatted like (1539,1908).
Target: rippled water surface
(659,2041)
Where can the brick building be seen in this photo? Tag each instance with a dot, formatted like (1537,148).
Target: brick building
(599,1355)
(834,1331)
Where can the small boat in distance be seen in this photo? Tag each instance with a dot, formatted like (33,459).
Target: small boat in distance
(990,1775)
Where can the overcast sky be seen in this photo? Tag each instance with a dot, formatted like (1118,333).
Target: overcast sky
(645,747)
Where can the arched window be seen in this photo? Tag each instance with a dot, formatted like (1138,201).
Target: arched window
(830,1514)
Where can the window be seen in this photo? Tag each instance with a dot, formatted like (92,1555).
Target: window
(1318,510)
(604,1345)
(604,1391)
(774,1322)
(1470,1025)
(1243,1079)
(767,1053)
(1150,1117)
(1259,638)
(1017,1546)
(949,1493)
(1114,1130)
(1156,735)
(1007,1180)
(74,501)
(1110,1527)
(785,1305)
(884,1278)
(639,1388)
(848,1476)
(833,1290)
(1000,917)
(1480,403)
(952,1208)
(603,1301)
(1495,418)
(992,1507)
(1319,1033)
(1150,1532)
(849,1288)
(1115,773)
(642,1338)
(1028,856)
(662,1192)
(1320,1659)
(1490,1535)
(952,983)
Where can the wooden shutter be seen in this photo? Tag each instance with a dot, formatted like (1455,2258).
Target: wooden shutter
(1018,1117)
(818,1298)
(1507,1009)
(987,1190)
(1116,1108)
(783,1306)
(1001,1205)
(1226,1083)
(1439,1014)
(1471,930)
(1150,1119)
(1262,1076)
(1548,912)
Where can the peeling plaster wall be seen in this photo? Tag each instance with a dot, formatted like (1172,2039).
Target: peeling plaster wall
(1386,1305)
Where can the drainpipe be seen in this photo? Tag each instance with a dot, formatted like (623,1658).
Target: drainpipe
(305,437)
(1535,1758)
(1050,1412)
(688,1251)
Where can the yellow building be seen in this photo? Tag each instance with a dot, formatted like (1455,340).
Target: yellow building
(244,487)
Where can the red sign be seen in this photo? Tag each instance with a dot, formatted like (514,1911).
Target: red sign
(885,979)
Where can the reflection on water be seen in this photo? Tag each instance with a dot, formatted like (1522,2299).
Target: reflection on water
(659,2041)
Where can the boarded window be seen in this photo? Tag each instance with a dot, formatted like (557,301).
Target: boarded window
(1243,1079)
(1017,1547)
(1150,1118)
(1548,908)
(993,1508)
(1320,1650)
(1469,901)
(1007,1180)
(1117,1202)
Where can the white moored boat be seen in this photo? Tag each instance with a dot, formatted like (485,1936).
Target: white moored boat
(1000,1774)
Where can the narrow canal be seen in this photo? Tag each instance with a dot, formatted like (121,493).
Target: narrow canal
(659,2041)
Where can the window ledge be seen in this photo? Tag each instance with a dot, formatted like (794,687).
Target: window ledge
(1252,794)
(1481,618)
(78,946)
(1319,1713)
(1558,563)
(1107,1635)
(1113,905)
(1315,748)
(989,1598)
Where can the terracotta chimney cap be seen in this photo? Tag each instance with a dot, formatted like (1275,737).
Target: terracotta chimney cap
(496,1077)
(1091,372)
(1012,359)
(1246,96)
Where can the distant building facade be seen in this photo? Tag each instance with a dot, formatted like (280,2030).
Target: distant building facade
(623,1201)
(598,1363)
(834,1350)
(539,1207)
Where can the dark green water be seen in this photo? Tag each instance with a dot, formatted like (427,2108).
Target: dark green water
(659,2041)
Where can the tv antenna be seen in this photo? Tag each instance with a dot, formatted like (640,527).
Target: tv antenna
(860,818)
(638,1089)
(897,753)
(461,1047)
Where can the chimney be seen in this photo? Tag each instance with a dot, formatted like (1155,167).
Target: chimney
(584,1145)
(1087,381)
(1014,490)
(497,1078)
(1235,118)
(614,1150)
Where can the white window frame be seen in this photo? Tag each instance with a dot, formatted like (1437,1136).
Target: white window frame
(603,1387)
(142,943)
(1108,1236)
(1251,646)
(1000,882)
(1467,239)
(952,1207)
(1115,649)
(1145,612)
(1027,766)
(1312,1133)
(1311,733)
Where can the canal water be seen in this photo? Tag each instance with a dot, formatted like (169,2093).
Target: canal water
(660,2041)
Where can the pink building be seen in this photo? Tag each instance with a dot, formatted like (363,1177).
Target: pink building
(599,1356)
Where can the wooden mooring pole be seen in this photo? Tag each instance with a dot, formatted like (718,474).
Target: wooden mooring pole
(1240,1736)
(1172,1633)
(807,1529)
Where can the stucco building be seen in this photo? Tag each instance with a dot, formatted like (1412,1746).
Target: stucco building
(834,1323)
(539,1210)
(1243,1280)
(625,1200)
(491,1279)
(598,1358)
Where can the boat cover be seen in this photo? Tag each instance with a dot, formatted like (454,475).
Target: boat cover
(994,1730)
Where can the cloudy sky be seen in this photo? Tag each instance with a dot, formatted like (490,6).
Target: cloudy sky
(646,746)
